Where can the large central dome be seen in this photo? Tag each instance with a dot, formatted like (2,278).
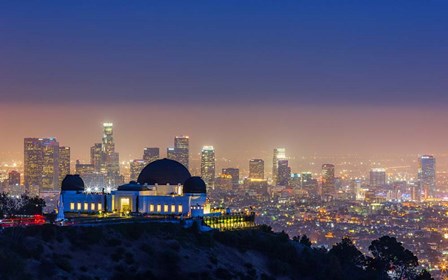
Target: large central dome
(164,171)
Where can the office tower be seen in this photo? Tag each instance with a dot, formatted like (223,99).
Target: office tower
(427,175)
(151,154)
(136,167)
(112,158)
(171,153)
(208,165)
(234,173)
(377,177)
(97,158)
(416,192)
(64,163)
(14,178)
(328,180)
(279,154)
(256,169)
(83,168)
(182,150)
(223,182)
(295,180)
(42,163)
(306,179)
(283,173)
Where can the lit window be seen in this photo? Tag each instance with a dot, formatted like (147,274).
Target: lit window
(72,206)
(100,206)
(86,206)
(151,208)
(173,208)
(180,208)
(159,208)
(92,206)
(165,208)
(78,207)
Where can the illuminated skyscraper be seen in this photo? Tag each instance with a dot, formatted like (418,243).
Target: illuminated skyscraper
(43,163)
(256,169)
(151,154)
(234,173)
(182,150)
(377,177)
(64,163)
(328,180)
(427,175)
(97,158)
(171,153)
(136,167)
(283,173)
(208,165)
(279,154)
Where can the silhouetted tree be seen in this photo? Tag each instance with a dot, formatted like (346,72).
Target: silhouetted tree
(347,253)
(391,258)
(304,240)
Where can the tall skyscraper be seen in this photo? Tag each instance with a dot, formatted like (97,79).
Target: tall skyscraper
(171,153)
(113,177)
(377,177)
(151,154)
(427,175)
(97,158)
(256,169)
(234,173)
(43,163)
(279,154)
(328,180)
(136,167)
(208,165)
(64,163)
(182,150)
(283,173)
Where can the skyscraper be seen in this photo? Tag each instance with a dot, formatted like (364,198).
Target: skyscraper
(256,169)
(234,173)
(44,161)
(171,153)
(97,158)
(182,150)
(283,173)
(328,180)
(151,154)
(427,175)
(208,165)
(377,177)
(112,158)
(279,154)
(64,163)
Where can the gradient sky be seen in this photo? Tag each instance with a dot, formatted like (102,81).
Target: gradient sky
(246,76)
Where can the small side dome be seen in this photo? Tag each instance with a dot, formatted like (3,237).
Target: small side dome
(195,185)
(72,183)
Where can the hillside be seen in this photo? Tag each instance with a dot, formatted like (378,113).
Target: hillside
(162,251)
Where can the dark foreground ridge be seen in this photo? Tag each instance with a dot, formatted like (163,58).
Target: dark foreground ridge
(169,251)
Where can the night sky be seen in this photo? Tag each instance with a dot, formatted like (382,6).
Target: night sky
(314,76)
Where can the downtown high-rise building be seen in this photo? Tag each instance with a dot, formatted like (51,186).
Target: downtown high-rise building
(256,169)
(14,178)
(44,163)
(171,153)
(283,173)
(182,150)
(151,154)
(64,163)
(105,159)
(328,180)
(234,173)
(279,154)
(208,165)
(427,175)
(378,177)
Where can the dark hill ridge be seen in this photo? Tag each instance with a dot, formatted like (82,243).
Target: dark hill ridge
(164,251)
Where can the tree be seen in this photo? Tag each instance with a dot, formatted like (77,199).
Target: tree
(347,253)
(304,240)
(391,258)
